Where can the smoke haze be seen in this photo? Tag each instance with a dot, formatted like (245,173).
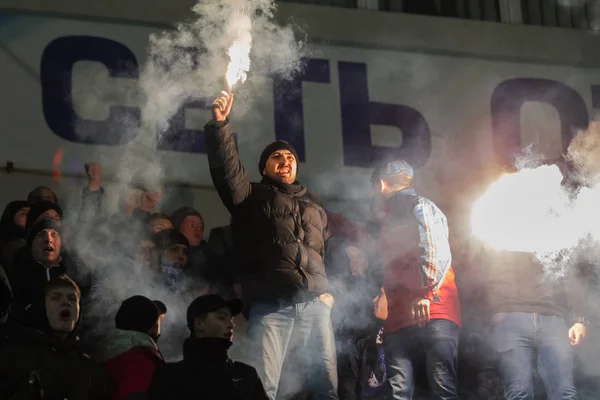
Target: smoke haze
(186,64)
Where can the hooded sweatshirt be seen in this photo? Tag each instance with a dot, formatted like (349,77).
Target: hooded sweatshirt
(12,236)
(33,359)
(130,359)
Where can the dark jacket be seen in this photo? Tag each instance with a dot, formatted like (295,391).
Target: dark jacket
(5,296)
(31,361)
(206,372)
(12,236)
(517,283)
(279,231)
(28,283)
(362,370)
(130,358)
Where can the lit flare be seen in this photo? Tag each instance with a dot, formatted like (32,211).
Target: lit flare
(528,211)
(239,64)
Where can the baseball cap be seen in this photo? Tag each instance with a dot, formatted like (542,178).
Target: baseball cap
(395,168)
(209,303)
(139,313)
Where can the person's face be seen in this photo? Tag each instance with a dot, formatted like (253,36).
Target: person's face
(380,306)
(217,324)
(175,254)
(160,224)
(192,228)
(62,309)
(281,166)
(20,217)
(155,330)
(145,255)
(45,247)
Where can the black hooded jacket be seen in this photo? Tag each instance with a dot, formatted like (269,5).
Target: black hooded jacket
(33,360)
(206,372)
(12,236)
(279,231)
(28,283)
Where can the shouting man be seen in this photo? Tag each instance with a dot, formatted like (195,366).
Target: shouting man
(280,235)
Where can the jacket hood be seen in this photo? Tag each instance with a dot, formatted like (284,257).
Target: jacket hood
(8,229)
(121,341)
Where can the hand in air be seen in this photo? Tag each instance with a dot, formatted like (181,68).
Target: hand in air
(222,106)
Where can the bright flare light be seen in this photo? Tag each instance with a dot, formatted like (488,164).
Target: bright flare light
(528,211)
(239,54)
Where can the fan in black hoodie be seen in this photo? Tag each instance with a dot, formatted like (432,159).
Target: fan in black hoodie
(39,262)
(42,359)
(206,371)
(12,232)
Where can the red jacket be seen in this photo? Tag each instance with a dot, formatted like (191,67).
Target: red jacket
(130,358)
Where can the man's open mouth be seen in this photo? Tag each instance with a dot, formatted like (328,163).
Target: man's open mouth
(48,249)
(65,314)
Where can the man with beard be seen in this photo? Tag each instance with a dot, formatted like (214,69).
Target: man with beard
(130,354)
(279,234)
(206,371)
(42,360)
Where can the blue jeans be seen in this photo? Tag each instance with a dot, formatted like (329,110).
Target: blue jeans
(438,342)
(270,329)
(525,341)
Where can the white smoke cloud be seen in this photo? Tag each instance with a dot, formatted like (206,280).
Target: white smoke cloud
(186,64)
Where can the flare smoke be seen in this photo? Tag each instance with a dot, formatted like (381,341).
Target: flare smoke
(533,211)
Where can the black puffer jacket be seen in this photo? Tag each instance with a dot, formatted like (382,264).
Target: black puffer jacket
(279,231)
(206,372)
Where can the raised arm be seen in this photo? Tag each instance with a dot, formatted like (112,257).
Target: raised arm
(228,174)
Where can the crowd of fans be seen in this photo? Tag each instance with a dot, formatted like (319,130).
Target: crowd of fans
(335,308)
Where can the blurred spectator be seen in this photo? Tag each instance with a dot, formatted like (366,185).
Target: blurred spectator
(92,197)
(5,296)
(532,325)
(362,371)
(172,249)
(206,370)
(44,209)
(129,353)
(223,261)
(145,257)
(12,232)
(158,222)
(42,360)
(191,224)
(41,193)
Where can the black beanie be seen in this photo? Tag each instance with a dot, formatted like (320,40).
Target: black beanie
(168,237)
(139,313)
(38,209)
(39,226)
(272,148)
(181,213)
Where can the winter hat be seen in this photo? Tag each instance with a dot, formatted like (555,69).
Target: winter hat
(209,303)
(38,209)
(395,168)
(39,226)
(168,237)
(181,213)
(272,148)
(139,313)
